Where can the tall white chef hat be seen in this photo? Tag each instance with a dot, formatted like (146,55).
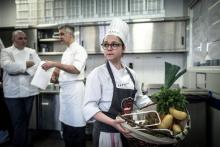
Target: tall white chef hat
(119,28)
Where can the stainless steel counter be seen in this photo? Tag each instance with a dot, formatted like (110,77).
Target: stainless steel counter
(153,88)
(187,91)
(49,91)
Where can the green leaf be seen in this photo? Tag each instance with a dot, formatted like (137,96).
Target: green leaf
(171,74)
(167,97)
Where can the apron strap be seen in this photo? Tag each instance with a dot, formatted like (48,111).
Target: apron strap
(111,74)
(132,78)
(112,77)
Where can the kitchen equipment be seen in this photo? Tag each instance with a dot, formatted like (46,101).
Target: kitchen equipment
(213,117)
(150,89)
(48,111)
(197,107)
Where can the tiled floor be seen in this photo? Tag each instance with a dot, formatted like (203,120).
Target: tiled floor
(50,139)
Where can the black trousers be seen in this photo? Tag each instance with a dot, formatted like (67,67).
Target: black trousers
(74,136)
(5,123)
(20,112)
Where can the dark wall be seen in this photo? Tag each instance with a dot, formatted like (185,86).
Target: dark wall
(5,35)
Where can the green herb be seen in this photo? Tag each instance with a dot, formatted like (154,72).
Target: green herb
(167,97)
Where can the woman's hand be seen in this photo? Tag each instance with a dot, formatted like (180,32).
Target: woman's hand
(117,124)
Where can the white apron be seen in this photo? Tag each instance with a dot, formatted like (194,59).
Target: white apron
(71,99)
(110,139)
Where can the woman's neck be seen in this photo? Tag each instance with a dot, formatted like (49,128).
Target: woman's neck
(117,64)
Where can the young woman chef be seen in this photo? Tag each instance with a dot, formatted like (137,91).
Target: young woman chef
(111,89)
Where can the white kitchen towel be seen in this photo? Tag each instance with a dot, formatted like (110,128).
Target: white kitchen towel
(42,78)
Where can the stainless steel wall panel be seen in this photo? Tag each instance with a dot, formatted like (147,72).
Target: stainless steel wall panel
(214,32)
(212,2)
(196,11)
(153,37)
(214,22)
(196,32)
(214,14)
(91,38)
(214,50)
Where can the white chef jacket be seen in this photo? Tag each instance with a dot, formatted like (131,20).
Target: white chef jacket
(75,55)
(72,87)
(17,77)
(99,89)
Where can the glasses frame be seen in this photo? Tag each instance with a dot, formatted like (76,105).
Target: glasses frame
(113,46)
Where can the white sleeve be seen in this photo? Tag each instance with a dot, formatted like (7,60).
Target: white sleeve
(92,95)
(80,59)
(36,59)
(8,64)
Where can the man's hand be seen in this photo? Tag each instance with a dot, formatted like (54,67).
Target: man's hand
(29,64)
(48,65)
(54,77)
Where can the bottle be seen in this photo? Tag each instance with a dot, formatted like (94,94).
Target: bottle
(43,50)
(208,59)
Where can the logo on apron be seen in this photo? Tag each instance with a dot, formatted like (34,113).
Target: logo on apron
(127,105)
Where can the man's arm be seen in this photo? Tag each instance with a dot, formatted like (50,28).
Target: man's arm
(9,65)
(67,68)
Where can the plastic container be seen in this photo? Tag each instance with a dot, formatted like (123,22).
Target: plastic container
(142,118)
(151,134)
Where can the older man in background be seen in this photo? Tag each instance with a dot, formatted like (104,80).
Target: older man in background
(19,63)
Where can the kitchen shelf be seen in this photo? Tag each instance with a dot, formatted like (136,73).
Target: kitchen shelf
(188,91)
(206,69)
(49,53)
(50,91)
(49,40)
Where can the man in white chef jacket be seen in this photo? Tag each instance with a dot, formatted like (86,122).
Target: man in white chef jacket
(71,76)
(19,64)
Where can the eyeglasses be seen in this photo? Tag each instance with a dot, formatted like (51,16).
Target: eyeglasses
(22,38)
(114,46)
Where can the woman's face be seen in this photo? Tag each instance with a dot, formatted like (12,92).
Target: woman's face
(113,48)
